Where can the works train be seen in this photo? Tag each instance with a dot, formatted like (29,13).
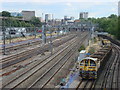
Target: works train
(90,66)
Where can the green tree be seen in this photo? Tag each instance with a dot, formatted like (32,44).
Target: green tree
(36,22)
(6,14)
(81,48)
(108,24)
(118,28)
(112,16)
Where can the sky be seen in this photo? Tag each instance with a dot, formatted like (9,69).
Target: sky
(60,8)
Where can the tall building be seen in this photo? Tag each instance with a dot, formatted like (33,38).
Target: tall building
(27,15)
(48,17)
(119,8)
(83,15)
(86,15)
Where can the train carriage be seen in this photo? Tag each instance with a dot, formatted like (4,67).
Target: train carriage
(106,42)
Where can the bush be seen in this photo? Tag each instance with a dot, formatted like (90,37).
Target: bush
(81,48)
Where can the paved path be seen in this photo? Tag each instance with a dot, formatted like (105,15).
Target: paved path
(73,80)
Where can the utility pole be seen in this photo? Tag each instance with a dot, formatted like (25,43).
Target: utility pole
(10,31)
(35,31)
(43,34)
(51,44)
(3,30)
(58,29)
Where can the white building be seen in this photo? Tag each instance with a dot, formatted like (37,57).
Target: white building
(48,17)
(83,15)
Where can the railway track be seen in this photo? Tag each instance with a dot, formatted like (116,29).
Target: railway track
(84,84)
(25,63)
(110,76)
(42,69)
(23,71)
(55,68)
(23,51)
(21,45)
(6,62)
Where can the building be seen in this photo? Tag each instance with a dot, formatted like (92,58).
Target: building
(65,17)
(119,8)
(83,15)
(57,21)
(15,14)
(48,17)
(77,20)
(72,18)
(68,18)
(27,15)
(41,19)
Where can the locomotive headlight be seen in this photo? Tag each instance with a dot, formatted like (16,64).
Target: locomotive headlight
(80,68)
(92,68)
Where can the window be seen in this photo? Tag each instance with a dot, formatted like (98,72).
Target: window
(92,63)
(86,62)
(82,63)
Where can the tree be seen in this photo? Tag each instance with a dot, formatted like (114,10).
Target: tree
(36,22)
(118,28)
(109,24)
(81,48)
(112,16)
(6,14)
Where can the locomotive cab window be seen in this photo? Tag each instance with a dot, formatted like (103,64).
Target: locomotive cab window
(86,62)
(92,63)
(82,63)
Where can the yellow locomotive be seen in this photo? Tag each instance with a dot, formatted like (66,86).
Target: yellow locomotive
(89,67)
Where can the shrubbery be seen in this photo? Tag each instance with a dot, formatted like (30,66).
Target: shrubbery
(81,48)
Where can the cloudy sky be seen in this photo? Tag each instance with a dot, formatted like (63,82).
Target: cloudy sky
(59,8)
